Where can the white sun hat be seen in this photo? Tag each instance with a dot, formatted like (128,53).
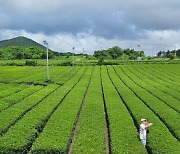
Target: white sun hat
(143,120)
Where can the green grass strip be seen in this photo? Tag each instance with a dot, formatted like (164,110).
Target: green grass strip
(15,98)
(58,130)
(160,140)
(170,117)
(14,88)
(154,83)
(124,135)
(91,129)
(167,99)
(20,137)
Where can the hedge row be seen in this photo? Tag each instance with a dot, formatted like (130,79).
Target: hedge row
(56,73)
(38,75)
(123,133)
(33,74)
(90,136)
(165,73)
(167,99)
(160,140)
(10,116)
(68,74)
(58,130)
(11,89)
(161,78)
(20,136)
(158,79)
(175,69)
(17,97)
(154,83)
(12,73)
(4,86)
(170,73)
(170,117)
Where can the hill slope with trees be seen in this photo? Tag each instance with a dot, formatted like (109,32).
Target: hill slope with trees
(19,41)
(23,48)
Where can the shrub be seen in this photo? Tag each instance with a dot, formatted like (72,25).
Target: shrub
(101,61)
(68,63)
(171,56)
(31,63)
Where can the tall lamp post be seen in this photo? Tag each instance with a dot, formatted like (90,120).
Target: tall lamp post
(83,51)
(175,49)
(47,67)
(83,56)
(73,57)
(138,54)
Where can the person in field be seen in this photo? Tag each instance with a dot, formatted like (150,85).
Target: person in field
(143,130)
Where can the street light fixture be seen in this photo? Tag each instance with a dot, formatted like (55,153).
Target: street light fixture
(175,49)
(73,57)
(83,56)
(47,67)
(83,51)
(138,58)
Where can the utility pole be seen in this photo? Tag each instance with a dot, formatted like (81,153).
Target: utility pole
(123,55)
(83,51)
(73,57)
(175,49)
(138,54)
(47,66)
(83,55)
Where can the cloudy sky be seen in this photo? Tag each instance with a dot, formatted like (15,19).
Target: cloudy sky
(94,24)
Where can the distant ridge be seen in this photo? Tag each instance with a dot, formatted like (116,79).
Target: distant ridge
(19,41)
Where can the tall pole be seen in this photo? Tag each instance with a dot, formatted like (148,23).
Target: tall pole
(175,49)
(123,55)
(138,53)
(59,52)
(73,57)
(83,51)
(47,66)
(83,55)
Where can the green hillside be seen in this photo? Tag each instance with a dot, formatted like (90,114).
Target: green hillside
(19,41)
(23,48)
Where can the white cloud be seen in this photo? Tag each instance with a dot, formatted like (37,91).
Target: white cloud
(103,18)
(151,44)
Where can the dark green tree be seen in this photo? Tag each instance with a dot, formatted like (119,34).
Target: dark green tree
(115,52)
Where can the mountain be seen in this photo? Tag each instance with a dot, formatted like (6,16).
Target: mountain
(19,41)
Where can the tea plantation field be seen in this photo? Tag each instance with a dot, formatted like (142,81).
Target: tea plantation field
(89,109)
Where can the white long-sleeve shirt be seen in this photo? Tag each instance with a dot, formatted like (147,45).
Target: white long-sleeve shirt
(142,131)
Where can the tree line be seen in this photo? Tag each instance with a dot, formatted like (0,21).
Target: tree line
(33,52)
(119,53)
(17,52)
(116,53)
(169,54)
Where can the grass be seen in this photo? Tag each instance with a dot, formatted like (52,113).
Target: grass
(89,112)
